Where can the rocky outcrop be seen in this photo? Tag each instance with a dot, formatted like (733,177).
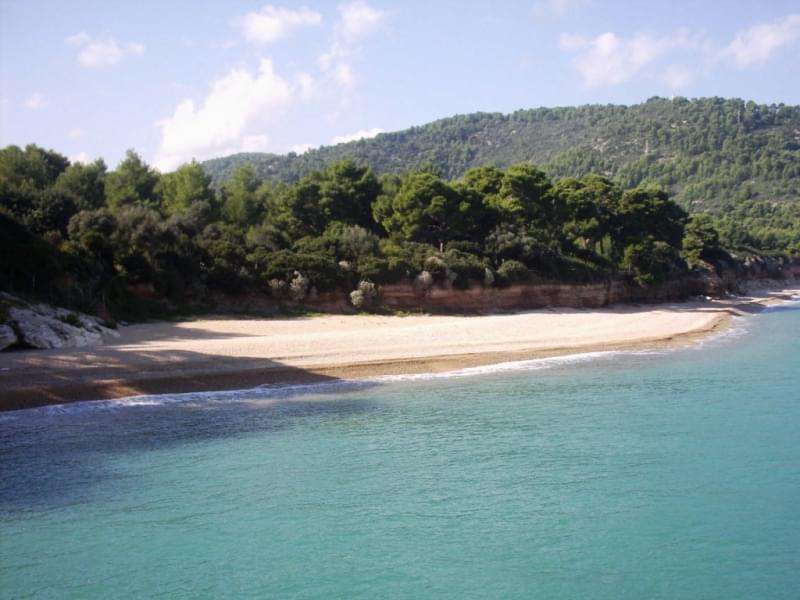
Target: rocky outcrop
(43,326)
(7,337)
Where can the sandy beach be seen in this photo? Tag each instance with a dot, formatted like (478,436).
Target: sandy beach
(235,353)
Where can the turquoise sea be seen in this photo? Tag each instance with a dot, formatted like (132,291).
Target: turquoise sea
(629,475)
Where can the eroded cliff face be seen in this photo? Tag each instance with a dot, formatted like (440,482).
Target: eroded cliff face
(407,296)
(516,297)
(542,295)
(723,280)
(715,282)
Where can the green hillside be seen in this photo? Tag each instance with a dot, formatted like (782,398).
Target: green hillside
(134,241)
(707,153)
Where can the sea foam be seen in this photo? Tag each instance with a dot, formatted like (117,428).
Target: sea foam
(284,391)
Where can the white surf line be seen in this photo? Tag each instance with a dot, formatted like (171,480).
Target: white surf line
(278,391)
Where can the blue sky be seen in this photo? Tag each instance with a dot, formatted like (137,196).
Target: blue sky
(182,79)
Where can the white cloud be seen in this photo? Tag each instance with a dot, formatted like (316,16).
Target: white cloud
(223,45)
(272,23)
(361,134)
(356,20)
(609,59)
(79,39)
(101,51)
(35,101)
(570,42)
(80,157)
(76,133)
(343,75)
(557,8)
(223,123)
(756,44)
(677,77)
(305,85)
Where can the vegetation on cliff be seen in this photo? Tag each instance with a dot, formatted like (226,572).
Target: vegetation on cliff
(82,236)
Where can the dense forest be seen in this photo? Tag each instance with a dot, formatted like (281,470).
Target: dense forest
(704,152)
(724,156)
(133,239)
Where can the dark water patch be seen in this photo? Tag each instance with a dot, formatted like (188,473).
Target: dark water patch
(58,459)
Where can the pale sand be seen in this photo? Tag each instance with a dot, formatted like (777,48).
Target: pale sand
(228,353)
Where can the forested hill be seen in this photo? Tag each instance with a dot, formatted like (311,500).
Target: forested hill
(708,153)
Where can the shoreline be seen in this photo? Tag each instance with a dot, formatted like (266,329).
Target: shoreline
(46,381)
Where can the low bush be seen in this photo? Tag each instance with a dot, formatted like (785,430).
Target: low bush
(512,271)
(424,281)
(298,286)
(322,271)
(365,296)
(71,319)
(467,268)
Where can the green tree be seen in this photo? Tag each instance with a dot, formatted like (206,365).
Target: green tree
(427,209)
(589,204)
(133,182)
(650,262)
(347,191)
(185,186)
(240,201)
(487,181)
(51,212)
(648,212)
(700,240)
(33,167)
(526,197)
(84,183)
(296,209)
(25,175)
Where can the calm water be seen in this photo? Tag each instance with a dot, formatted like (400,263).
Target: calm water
(665,475)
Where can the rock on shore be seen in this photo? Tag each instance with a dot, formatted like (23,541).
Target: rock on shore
(7,337)
(43,326)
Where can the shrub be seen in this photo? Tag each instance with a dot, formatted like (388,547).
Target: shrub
(410,253)
(365,296)
(321,270)
(277,288)
(424,281)
(464,246)
(357,299)
(356,243)
(298,286)
(488,277)
(436,267)
(71,319)
(466,267)
(513,271)
(382,270)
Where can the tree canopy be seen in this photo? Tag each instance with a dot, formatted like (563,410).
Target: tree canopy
(82,235)
(707,153)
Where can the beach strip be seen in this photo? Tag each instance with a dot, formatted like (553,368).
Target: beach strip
(233,353)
